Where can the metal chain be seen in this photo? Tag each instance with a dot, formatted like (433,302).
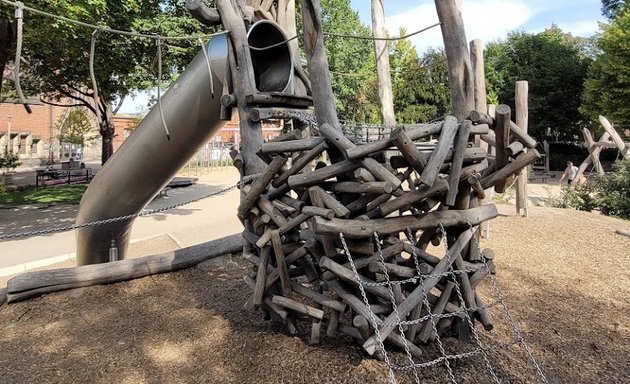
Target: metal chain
(394,306)
(515,329)
(467,312)
(373,318)
(425,300)
(111,220)
(415,278)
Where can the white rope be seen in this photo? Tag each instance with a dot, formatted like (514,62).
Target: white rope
(159,81)
(19,18)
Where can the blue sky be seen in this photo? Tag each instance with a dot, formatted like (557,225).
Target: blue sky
(484,19)
(488,19)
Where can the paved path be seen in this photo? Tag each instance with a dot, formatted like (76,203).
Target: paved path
(188,225)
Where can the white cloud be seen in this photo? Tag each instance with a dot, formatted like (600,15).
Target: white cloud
(483,19)
(580,28)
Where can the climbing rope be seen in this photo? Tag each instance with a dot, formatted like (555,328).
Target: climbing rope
(158,42)
(19,19)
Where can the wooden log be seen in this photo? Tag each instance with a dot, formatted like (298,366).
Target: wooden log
(623,232)
(458,161)
(408,149)
(447,135)
(361,324)
(333,323)
(361,203)
(291,145)
(414,132)
(300,163)
(259,185)
(337,139)
(349,276)
(318,297)
(292,223)
(277,113)
(322,174)
(514,149)
(365,229)
(317,211)
(522,161)
(274,275)
(522,110)
(593,152)
(438,309)
(397,270)
(274,214)
(204,14)
(480,129)
(331,203)
(379,187)
(33,284)
(521,135)
(298,307)
(476,186)
(317,200)
(479,77)
(460,71)
(478,277)
(623,149)
(363,175)
(502,131)
(279,99)
(470,155)
(418,294)
(483,315)
(294,134)
(292,202)
(363,262)
(261,277)
(282,266)
(422,254)
(412,197)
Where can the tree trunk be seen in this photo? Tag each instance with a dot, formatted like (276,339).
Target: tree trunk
(385,96)
(7,39)
(107,131)
(459,66)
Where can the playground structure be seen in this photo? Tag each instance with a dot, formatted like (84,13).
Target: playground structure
(341,245)
(610,139)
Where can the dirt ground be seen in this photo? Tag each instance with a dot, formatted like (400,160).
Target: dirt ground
(564,275)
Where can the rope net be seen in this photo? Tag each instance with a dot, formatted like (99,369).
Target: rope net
(433,321)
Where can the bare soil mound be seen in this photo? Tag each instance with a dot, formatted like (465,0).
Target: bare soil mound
(564,275)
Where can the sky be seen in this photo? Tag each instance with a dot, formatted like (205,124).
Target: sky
(483,19)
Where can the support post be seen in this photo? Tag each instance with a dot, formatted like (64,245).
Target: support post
(522,116)
(456,47)
(385,97)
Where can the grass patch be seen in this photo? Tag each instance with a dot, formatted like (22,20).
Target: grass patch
(70,194)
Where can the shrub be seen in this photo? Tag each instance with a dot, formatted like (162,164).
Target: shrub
(580,197)
(614,190)
(8,162)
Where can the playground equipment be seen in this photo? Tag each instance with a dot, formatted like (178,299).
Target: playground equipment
(330,240)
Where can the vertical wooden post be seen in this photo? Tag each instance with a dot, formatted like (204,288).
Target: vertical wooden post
(456,47)
(476,59)
(385,97)
(243,82)
(521,104)
(502,132)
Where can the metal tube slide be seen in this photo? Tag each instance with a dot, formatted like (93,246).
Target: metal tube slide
(147,160)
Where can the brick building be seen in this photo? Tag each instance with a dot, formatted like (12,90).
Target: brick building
(34,137)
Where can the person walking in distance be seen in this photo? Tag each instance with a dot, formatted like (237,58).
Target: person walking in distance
(569,173)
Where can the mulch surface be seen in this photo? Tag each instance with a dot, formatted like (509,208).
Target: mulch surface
(564,275)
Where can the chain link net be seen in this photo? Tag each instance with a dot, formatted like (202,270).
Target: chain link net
(454,276)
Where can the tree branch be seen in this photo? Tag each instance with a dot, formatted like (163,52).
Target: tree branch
(120,103)
(85,102)
(60,105)
(86,94)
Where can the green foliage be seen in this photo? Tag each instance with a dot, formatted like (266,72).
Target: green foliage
(613,8)
(69,194)
(420,85)
(76,128)
(8,162)
(614,190)
(581,197)
(607,89)
(555,65)
(351,62)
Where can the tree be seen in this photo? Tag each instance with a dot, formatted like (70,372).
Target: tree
(58,52)
(421,88)
(555,65)
(76,128)
(613,8)
(607,89)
